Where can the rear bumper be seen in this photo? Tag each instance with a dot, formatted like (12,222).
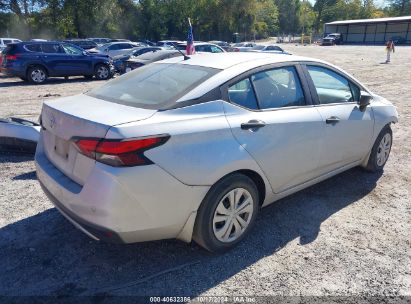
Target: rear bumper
(11,72)
(121,205)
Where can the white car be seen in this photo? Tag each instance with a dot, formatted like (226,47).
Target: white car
(113,49)
(192,147)
(5,41)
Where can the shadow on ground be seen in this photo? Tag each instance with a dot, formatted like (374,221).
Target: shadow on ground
(45,255)
(13,82)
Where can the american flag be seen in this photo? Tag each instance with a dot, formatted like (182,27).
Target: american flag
(190,49)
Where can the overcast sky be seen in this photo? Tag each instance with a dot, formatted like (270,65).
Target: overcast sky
(377,2)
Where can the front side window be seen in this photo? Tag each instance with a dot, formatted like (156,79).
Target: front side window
(71,50)
(278,88)
(242,94)
(332,87)
(153,86)
(114,47)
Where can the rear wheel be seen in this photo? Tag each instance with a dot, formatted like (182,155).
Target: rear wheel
(380,151)
(37,75)
(102,72)
(227,213)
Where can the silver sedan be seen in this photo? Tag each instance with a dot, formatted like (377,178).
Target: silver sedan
(192,147)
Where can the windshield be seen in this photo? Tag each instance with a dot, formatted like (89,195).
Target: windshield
(154,86)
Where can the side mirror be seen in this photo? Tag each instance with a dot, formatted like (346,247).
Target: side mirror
(85,53)
(365,100)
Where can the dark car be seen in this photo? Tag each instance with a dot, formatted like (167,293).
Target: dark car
(332,39)
(147,58)
(224,45)
(119,61)
(85,44)
(399,40)
(36,61)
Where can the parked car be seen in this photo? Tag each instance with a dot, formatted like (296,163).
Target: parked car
(18,135)
(145,41)
(134,63)
(268,49)
(119,40)
(223,44)
(36,61)
(100,41)
(191,149)
(119,62)
(243,46)
(5,41)
(115,48)
(168,43)
(201,47)
(332,39)
(399,40)
(85,44)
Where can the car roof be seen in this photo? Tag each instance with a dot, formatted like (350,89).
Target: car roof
(231,65)
(226,60)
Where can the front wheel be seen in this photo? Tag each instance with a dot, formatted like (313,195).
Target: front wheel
(102,72)
(380,151)
(227,213)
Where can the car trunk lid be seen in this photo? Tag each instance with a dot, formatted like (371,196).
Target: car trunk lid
(66,119)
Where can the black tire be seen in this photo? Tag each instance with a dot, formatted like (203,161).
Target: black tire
(204,227)
(99,74)
(374,164)
(88,77)
(24,79)
(37,75)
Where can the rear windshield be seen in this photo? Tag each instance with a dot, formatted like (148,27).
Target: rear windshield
(154,86)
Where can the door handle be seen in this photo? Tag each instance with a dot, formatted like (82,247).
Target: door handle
(252,124)
(332,120)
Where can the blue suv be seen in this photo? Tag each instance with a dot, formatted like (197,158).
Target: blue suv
(36,61)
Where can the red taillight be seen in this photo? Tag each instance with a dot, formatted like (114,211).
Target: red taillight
(119,153)
(11,57)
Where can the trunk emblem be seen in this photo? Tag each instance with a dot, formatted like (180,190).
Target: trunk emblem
(52,121)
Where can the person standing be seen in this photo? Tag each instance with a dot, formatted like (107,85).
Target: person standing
(390,47)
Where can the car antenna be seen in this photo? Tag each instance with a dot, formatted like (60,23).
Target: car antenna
(184,55)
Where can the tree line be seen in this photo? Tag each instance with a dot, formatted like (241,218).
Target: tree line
(167,19)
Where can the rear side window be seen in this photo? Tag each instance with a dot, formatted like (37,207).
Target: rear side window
(32,47)
(331,87)
(7,41)
(242,93)
(51,48)
(278,88)
(154,86)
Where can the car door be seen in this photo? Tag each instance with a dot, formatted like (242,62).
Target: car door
(348,130)
(122,49)
(271,115)
(54,58)
(77,62)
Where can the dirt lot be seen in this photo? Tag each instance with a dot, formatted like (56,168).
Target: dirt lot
(347,236)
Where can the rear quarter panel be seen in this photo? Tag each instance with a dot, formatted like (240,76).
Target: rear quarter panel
(201,149)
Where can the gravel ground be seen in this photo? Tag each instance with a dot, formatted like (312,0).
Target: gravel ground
(347,236)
